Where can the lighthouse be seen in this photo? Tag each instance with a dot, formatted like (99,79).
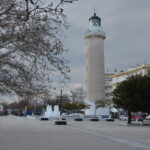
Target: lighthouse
(94,62)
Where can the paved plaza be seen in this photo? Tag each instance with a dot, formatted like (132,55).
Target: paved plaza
(18,133)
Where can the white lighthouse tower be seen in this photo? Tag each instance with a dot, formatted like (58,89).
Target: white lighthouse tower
(94,69)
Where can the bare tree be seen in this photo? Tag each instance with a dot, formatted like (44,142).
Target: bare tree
(31,46)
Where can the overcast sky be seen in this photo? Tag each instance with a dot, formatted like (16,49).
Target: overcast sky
(127,27)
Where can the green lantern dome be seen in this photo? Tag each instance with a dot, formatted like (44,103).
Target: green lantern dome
(95,18)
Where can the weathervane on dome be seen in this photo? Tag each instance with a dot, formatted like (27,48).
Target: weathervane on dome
(94,11)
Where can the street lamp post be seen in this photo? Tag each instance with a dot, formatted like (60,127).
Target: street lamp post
(61,102)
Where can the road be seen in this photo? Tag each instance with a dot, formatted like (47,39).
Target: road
(31,134)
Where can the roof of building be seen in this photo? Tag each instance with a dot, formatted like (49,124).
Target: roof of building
(132,70)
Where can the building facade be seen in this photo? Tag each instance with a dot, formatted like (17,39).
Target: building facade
(138,70)
(78,95)
(108,86)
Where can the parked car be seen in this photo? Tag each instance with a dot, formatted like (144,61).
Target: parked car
(147,117)
(1,109)
(123,117)
(136,117)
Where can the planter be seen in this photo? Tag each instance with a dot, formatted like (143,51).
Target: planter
(110,119)
(60,122)
(94,119)
(78,119)
(44,119)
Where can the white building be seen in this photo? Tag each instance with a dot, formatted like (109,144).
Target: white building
(78,95)
(138,70)
(108,85)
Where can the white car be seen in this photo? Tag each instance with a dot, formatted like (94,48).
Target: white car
(123,117)
(148,117)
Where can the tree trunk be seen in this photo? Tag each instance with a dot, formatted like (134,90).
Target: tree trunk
(129,117)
